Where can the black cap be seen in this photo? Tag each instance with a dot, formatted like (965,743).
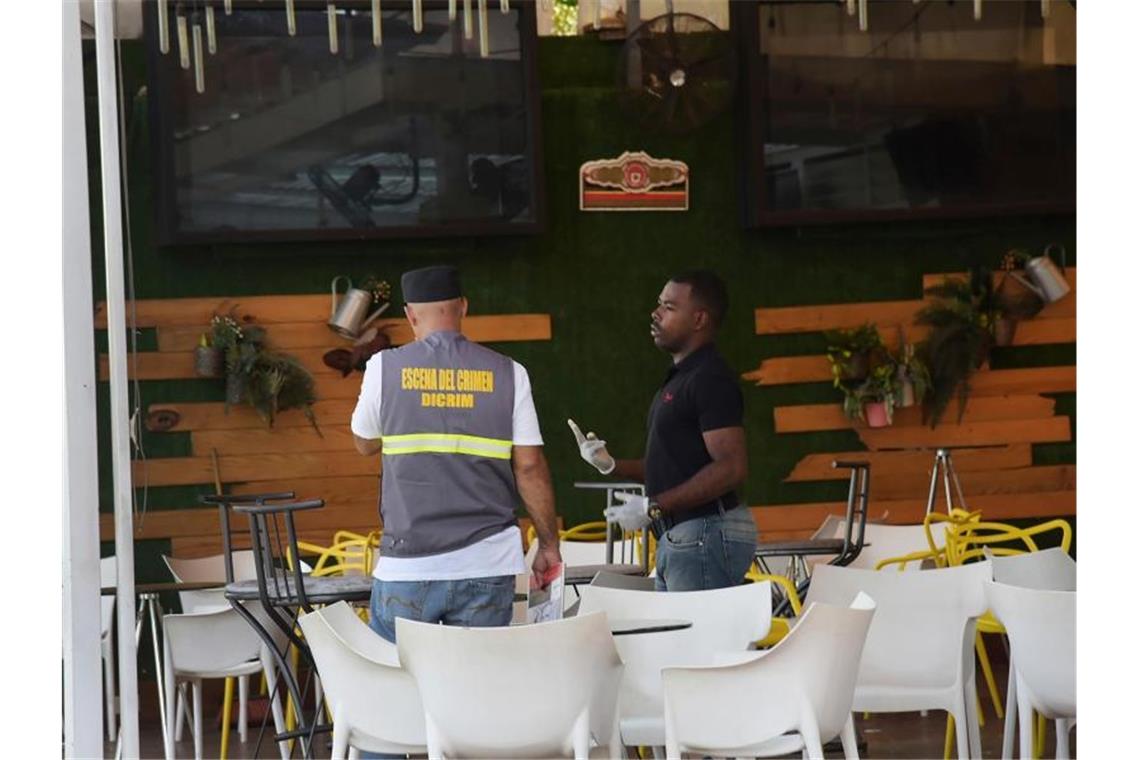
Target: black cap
(438,283)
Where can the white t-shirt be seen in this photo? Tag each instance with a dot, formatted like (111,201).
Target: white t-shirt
(500,554)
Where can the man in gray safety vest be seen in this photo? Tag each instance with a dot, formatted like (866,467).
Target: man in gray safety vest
(457,430)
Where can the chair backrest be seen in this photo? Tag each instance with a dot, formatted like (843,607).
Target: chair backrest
(208,570)
(372,696)
(727,619)
(881,542)
(1045,570)
(204,642)
(515,714)
(762,697)
(225,503)
(108,576)
(273,534)
(1042,629)
(924,622)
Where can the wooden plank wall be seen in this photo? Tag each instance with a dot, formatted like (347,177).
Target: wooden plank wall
(250,456)
(1006,414)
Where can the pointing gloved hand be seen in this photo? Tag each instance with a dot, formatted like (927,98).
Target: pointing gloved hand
(593,450)
(632,513)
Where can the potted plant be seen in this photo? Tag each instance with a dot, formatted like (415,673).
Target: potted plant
(913,376)
(863,368)
(962,322)
(1014,301)
(209,361)
(269,381)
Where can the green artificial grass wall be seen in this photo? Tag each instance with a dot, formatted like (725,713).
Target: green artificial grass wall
(598,275)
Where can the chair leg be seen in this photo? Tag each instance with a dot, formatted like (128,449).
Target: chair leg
(172,717)
(948,743)
(197,692)
(813,746)
(227,708)
(270,672)
(973,715)
(1024,722)
(243,708)
(961,730)
(1010,715)
(180,710)
(847,738)
(339,741)
(1039,738)
(988,674)
(109,692)
(353,752)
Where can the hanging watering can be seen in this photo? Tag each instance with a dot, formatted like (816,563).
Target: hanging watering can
(349,314)
(1045,279)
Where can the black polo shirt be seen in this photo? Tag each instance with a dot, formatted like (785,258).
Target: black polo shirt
(700,394)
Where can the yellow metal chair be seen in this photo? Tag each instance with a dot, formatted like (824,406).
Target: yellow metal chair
(967,541)
(780,626)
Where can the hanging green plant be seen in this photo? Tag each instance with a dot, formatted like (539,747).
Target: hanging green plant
(269,381)
(864,370)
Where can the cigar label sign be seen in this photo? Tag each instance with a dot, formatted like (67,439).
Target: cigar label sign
(633,182)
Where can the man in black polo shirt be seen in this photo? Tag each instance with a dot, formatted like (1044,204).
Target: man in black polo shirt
(695,454)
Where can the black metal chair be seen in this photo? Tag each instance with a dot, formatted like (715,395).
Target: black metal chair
(844,549)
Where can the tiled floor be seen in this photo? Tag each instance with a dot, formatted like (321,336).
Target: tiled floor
(901,735)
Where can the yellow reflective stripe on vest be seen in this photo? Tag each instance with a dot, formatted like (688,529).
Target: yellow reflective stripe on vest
(446,443)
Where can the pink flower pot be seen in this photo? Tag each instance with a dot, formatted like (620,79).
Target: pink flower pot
(876,414)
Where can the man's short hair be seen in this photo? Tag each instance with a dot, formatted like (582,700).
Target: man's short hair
(708,291)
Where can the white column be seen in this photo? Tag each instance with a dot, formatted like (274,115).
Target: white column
(82,673)
(117,354)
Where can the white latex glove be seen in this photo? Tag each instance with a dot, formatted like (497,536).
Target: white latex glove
(593,450)
(632,513)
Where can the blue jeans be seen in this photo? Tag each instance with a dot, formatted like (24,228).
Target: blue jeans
(474,602)
(706,552)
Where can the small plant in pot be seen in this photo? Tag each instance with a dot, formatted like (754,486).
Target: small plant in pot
(209,361)
(913,377)
(863,368)
(1014,302)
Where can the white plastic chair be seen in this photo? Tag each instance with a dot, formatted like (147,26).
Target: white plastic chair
(212,644)
(920,648)
(1045,570)
(1042,630)
(209,570)
(522,691)
(374,703)
(880,542)
(794,697)
(724,620)
(108,576)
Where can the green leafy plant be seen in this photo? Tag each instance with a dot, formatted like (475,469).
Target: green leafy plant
(863,368)
(962,322)
(269,381)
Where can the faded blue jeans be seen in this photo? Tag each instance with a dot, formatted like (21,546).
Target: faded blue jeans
(474,602)
(706,552)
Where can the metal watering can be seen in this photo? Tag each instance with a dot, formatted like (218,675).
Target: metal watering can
(347,315)
(1045,279)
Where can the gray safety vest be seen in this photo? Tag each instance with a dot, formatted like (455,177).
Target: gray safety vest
(446,410)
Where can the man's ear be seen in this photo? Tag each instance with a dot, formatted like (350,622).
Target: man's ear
(462,306)
(410,313)
(701,320)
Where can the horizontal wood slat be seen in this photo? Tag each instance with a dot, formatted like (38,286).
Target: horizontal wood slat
(889,463)
(176,471)
(1062,477)
(797,319)
(814,417)
(266,441)
(887,314)
(986,382)
(180,417)
(164,312)
(1045,504)
(1050,430)
(1066,307)
(290,336)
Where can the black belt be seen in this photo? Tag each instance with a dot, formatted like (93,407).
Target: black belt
(717,506)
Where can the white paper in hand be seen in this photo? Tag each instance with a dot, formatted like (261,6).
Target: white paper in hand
(544,603)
